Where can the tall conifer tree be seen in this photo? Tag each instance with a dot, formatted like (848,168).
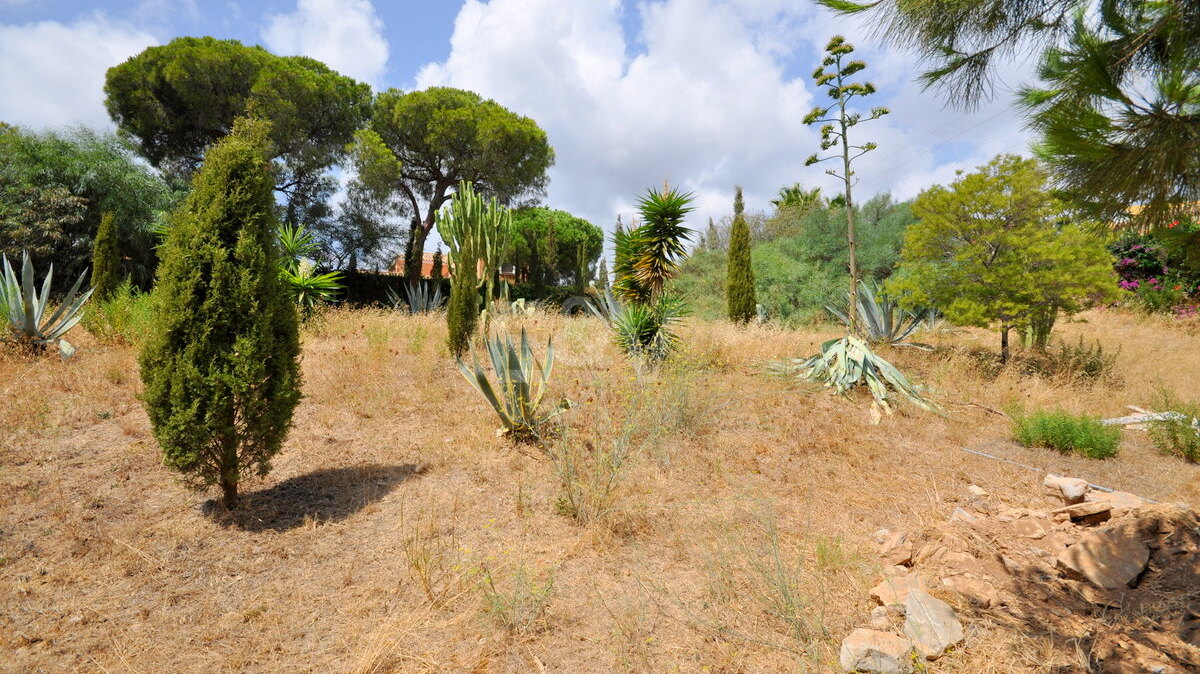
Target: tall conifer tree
(739,288)
(106,259)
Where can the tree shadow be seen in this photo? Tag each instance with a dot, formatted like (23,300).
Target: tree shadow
(329,495)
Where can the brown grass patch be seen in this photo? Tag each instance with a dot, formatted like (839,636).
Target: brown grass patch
(398,533)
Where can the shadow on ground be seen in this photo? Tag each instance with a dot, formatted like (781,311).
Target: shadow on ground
(323,496)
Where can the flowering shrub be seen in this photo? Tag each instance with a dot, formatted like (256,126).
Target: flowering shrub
(1156,267)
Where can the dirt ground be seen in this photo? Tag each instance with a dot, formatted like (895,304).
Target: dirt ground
(715,518)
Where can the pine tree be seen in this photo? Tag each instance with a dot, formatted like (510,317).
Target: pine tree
(739,288)
(436,271)
(221,368)
(106,259)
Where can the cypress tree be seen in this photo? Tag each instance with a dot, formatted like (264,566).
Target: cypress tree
(106,259)
(712,240)
(739,287)
(436,271)
(462,312)
(602,276)
(221,367)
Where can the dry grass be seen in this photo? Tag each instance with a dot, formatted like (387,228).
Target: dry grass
(397,533)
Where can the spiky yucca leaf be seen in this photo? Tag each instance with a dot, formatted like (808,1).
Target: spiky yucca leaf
(642,329)
(521,384)
(25,309)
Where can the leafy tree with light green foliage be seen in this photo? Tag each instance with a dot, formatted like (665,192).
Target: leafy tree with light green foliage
(180,98)
(739,287)
(435,138)
(55,187)
(995,248)
(221,368)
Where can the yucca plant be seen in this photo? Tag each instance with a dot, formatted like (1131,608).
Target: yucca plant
(520,385)
(641,328)
(308,287)
(25,309)
(848,362)
(419,298)
(882,319)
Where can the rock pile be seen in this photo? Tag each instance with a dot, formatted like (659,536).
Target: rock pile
(1105,572)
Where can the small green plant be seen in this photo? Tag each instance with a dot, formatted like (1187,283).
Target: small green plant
(1066,432)
(882,319)
(519,605)
(590,474)
(1180,434)
(419,298)
(849,362)
(125,317)
(520,385)
(25,310)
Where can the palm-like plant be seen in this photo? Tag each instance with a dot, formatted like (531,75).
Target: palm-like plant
(642,329)
(521,384)
(661,241)
(797,197)
(25,309)
(882,318)
(848,362)
(308,287)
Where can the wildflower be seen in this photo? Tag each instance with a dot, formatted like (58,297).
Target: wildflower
(1173,224)
(1178,287)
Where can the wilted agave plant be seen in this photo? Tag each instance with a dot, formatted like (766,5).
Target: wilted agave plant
(520,385)
(25,309)
(419,298)
(883,319)
(848,362)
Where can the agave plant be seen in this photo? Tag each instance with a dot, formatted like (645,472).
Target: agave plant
(642,329)
(419,298)
(883,319)
(848,362)
(25,310)
(520,385)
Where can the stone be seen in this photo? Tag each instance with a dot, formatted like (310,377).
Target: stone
(976,491)
(894,590)
(1070,489)
(881,535)
(896,549)
(1093,512)
(960,515)
(1029,527)
(1122,502)
(958,563)
(876,652)
(880,619)
(1107,558)
(978,592)
(930,624)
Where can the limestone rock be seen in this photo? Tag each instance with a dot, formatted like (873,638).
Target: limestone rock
(1109,559)
(894,590)
(875,652)
(1093,512)
(1070,490)
(896,549)
(1121,502)
(1029,527)
(960,515)
(930,624)
(880,620)
(978,592)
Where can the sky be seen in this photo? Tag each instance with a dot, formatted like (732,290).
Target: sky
(703,93)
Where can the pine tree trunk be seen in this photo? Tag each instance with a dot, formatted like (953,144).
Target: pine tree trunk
(229,493)
(1004,344)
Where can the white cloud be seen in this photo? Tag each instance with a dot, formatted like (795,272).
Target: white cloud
(706,101)
(53,73)
(347,35)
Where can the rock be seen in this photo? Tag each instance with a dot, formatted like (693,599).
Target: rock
(1070,490)
(930,624)
(880,619)
(894,590)
(896,549)
(881,535)
(960,515)
(978,592)
(976,491)
(931,554)
(876,652)
(1029,527)
(977,499)
(1109,559)
(1093,512)
(1121,502)
(958,563)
